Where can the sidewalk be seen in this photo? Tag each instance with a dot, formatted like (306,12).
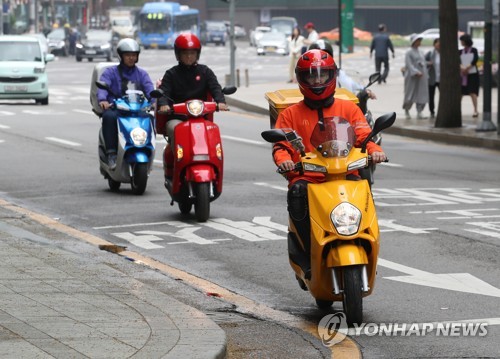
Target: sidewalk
(64,298)
(390,98)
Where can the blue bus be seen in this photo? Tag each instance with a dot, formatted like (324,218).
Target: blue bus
(161,22)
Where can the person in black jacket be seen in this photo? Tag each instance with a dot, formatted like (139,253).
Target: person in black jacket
(188,80)
(381,44)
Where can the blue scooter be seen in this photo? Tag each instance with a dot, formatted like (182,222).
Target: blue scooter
(136,142)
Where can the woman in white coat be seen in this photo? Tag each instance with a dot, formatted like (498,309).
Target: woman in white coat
(416,79)
(295,43)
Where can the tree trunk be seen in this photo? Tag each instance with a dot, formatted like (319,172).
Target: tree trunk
(449,112)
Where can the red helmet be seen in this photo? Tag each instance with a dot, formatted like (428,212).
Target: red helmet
(316,74)
(187,41)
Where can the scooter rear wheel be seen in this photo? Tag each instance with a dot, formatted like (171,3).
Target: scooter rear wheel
(353,295)
(202,204)
(140,178)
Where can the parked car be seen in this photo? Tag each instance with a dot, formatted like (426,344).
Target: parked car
(213,32)
(22,69)
(358,34)
(43,41)
(273,42)
(58,44)
(256,34)
(95,44)
(239,30)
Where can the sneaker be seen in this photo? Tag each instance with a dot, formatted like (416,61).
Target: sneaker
(112,161)
(420,116)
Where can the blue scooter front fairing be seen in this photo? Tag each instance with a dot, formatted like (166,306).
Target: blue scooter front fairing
(137,138)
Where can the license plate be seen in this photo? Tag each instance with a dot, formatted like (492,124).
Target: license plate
(270,48)
(16,88)
(217,39)
(90,52)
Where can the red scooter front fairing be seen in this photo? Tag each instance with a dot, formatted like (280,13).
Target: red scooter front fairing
(197,157)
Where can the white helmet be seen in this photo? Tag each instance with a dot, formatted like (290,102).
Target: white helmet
(128,45)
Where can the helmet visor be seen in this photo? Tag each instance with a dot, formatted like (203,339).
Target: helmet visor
(316,76)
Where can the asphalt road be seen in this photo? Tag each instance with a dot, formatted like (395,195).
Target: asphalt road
(437,206)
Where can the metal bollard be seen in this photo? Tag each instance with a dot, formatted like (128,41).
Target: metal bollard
(246,78)
(237,77)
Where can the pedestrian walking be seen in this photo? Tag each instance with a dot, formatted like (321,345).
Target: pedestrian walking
(295,44)
(381,44)
(468,71)
(416,78)
(433,58)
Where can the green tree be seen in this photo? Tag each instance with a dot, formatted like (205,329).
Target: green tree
(449,109)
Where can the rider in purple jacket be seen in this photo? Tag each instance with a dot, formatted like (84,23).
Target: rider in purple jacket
(125,76)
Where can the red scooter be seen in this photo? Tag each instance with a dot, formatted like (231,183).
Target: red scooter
(194,170)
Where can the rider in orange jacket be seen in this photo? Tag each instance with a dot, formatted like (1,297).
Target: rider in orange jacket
(316,74)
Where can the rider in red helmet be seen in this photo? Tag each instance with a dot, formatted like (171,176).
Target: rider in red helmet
(188,80)
(316,74)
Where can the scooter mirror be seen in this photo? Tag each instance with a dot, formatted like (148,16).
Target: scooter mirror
(156,93)
(229,90)
(381,123)
(102,85)
(384,121)
(274,135)
(373,78)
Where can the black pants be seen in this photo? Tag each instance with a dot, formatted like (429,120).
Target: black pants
(378,65)
(298,209)
(110,130)
(432,92)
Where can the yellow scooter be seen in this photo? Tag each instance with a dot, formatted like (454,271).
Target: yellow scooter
(344,228)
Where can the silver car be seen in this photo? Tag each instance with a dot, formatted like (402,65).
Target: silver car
(273,42)
(256,34)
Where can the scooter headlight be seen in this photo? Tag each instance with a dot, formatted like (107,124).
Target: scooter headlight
(345,217)
(139,136)
(195,107)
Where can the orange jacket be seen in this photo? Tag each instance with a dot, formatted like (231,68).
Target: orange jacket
(303,120)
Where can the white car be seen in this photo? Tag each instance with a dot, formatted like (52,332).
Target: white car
(429,34)
(22,69)
(256,34)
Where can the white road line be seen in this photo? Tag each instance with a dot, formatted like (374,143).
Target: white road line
(281,188)
(390,164)
(86,112)
(64,142)
(4,127)
(7,113)
(244,140)
(1,141)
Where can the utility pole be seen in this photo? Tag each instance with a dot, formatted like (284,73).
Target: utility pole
(1,17)
(232,8)
(486,124)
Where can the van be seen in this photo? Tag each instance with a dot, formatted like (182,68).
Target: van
(214,32)
(284,24)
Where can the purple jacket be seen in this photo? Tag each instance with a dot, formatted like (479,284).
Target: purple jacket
(135,75)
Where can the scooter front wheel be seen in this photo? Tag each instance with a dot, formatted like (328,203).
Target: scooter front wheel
(353,295)
(185,207)
(114,186)
(140,178)
(202,203)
